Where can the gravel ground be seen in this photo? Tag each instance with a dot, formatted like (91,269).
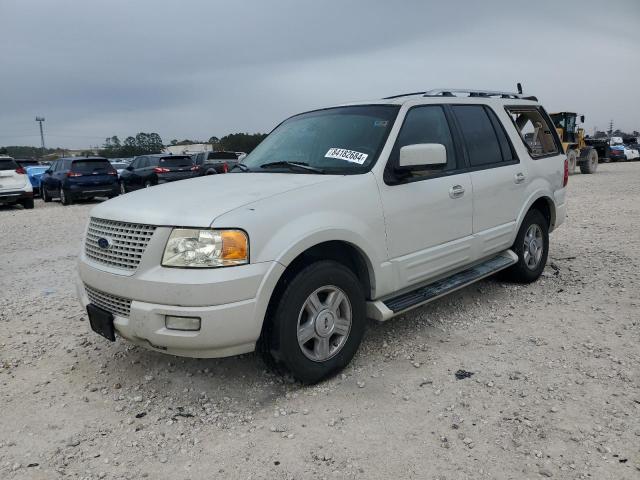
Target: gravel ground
(554,390)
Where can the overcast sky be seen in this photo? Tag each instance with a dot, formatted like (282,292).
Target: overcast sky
(197,68)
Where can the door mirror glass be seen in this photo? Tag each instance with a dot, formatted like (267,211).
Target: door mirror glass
(422,155)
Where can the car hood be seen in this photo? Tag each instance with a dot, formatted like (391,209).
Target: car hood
(197,202)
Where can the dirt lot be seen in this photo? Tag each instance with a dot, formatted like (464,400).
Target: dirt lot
(555,390)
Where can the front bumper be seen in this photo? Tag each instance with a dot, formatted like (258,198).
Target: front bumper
(229,301)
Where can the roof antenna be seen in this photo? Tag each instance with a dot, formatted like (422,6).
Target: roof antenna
(519,86)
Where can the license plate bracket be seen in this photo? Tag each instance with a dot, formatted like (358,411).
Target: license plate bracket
(101,322)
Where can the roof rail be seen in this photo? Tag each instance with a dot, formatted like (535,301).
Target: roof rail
(403,95)
(451,92)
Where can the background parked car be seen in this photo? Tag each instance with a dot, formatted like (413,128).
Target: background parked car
(211,163)
(149,170)
(119,166)
(71,179)
(14,184)
(34,170)
(616,153)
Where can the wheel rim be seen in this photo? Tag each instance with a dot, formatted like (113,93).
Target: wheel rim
(324,323)
(63,198)
(122,189)
(533,246)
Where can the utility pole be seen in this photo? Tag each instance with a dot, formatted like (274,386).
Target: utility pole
(40,120)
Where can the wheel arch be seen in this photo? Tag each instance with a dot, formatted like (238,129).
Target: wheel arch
(542,202)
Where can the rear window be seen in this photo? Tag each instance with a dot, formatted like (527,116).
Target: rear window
(536,132)
(176,161)
(222,156)
(90,166)
(8,164)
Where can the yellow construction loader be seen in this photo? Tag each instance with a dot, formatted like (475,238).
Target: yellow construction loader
(573,142)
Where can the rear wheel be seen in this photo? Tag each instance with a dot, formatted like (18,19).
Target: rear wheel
(211,172)
(43,193)
(148,184)
(532,248)
(318,323)
(65,197)
(123,189)
(572,159)
(590,164)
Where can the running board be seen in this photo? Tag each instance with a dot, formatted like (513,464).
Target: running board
(382,310)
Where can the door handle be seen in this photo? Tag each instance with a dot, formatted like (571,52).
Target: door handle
(456,191)
(519,177)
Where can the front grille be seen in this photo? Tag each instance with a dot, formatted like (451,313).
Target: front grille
(111,303)
(128,242)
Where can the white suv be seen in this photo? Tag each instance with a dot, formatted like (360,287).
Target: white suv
(15,186)
(361,210)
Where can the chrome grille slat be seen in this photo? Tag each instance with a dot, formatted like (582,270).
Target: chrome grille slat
(130,241)
(111,303)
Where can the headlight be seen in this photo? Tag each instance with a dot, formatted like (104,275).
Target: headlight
(189,247)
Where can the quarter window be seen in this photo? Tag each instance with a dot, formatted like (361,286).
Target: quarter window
(535,131)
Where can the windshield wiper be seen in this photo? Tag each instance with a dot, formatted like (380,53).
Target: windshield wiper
(292,165)
(241,166)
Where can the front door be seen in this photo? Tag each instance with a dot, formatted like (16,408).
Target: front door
(428,213)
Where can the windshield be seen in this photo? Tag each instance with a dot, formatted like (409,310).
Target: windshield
(342,140)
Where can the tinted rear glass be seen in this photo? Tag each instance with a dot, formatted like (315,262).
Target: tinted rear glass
(222,156)
(8,164)
(175,161)
(90,166)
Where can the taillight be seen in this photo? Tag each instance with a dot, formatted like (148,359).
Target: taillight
(565,180)
(20,171)
(112,172)
(225,167)
(194,168)
(73,174)
(160,170)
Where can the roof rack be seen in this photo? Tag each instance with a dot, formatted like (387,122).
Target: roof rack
(451,92)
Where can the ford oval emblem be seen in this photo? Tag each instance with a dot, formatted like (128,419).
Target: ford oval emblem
(104,243)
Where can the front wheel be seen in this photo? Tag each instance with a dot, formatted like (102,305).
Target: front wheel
(43,193)
(532,248)
(590,164)
(123,189)
(148,184)
(318,323)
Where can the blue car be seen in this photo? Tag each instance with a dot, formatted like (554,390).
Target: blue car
(34,171)
(75,178)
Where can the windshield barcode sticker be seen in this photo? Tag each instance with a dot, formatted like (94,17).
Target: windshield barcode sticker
(347,155)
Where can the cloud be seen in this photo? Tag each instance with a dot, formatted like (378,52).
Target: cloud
(193,69)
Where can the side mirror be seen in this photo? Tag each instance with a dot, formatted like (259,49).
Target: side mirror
(49,171)
(129,167)
(581,118)
(423,155)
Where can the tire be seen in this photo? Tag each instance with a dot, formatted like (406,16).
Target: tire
(27,203)
(527,270)
(590,164)
(65,198)
(45,197)
(306,300)
(572,159)
(211,172)
(148,184)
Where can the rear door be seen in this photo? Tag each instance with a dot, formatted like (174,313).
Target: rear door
(499,178)
(9,178)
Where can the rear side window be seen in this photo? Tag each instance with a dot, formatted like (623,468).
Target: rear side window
(91,166)
(8,164)
(535,131)
(175,161)
(479,135)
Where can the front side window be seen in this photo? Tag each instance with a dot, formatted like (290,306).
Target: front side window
(535,130)
(426,124)
(342,140)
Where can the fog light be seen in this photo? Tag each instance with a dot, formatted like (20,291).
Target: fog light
(182,323)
